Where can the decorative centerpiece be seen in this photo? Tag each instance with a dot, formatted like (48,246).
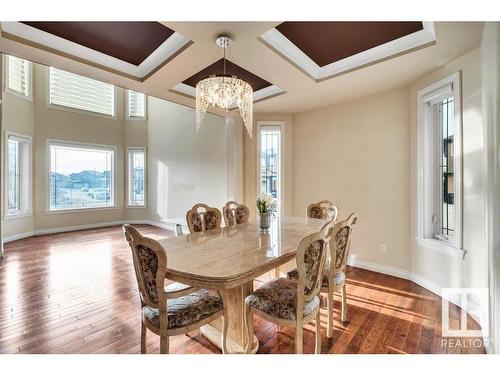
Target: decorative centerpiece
(267,206)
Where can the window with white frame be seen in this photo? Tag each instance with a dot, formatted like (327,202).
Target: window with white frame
(136,176)
(440,163)
(80,176)
(18,176)
(136,105)
(18,76)
(80,93)
(269,160)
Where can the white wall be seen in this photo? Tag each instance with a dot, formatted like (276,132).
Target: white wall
(356,154)
(490,62)
(185,168)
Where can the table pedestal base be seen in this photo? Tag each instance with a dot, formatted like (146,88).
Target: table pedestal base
(234,302)
(213,335)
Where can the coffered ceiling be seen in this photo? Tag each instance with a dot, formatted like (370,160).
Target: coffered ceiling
(292,66)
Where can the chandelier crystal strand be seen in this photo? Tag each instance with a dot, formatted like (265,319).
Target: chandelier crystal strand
(224,92)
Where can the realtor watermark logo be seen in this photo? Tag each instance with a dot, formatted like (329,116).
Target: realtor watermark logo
(473,301)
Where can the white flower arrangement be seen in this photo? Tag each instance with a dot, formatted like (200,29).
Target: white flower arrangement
(266,203)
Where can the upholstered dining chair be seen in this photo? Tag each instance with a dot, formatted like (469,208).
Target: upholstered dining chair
(235,213)
(335,268)
(325,210)
(168,313)
(295,303)
(173,288)
(201,218)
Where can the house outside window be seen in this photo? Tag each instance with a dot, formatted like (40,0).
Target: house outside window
(81,176)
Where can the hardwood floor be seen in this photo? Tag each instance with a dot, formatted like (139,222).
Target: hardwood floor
(76,293)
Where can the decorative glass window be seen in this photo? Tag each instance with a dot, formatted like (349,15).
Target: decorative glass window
(446,200)
(81,93)
(80,176)
(269,160)
(440,165)
(137,176)
(136,105)
(18,177)
(18,77)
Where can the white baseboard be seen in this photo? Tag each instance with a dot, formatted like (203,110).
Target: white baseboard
(19,236)
(375,267)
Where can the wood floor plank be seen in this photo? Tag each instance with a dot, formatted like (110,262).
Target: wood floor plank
(76,293)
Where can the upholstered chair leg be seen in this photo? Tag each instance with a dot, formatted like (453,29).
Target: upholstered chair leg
(163,344)
(318,333)
(143,337)
(225,324)
(249,323)
(299,330)
(344,303)
(329,306)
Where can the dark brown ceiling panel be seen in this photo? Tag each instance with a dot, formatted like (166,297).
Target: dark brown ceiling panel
(327,42)
(232,69)
(132,42)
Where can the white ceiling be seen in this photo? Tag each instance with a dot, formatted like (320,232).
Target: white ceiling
(453,39)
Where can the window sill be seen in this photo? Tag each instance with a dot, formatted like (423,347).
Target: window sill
(136,206)
(17,216)
(437,245)
(76,210)
(28,98)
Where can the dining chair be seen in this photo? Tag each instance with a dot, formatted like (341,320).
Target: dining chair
(235,213)
(168,313)
(174,289)
(201,218)
(325,210)
(288,302)
(335,268)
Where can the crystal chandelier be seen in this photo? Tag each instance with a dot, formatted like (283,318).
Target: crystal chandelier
(224,91)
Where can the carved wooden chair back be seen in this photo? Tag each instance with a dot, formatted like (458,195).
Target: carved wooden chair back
(201,218)
(235,213)
(311,257)
(150,264)
(325,210)
(340,244)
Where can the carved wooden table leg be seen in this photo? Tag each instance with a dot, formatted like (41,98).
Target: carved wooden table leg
(234,299)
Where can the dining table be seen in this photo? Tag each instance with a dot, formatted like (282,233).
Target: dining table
(228,259)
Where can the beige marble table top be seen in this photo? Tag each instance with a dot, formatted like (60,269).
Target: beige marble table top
(230,256)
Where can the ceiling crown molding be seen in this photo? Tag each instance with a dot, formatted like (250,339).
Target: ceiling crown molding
(290,52)
(23,33)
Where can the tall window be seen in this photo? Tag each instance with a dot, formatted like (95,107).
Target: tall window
(80,176)
(137,176)
(18,76)
(136,105)
(270,160)
(18,178)
(80,93)
(439,164)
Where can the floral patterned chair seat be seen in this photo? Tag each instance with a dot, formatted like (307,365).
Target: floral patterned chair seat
(278,298)
(186,310)
(337,279)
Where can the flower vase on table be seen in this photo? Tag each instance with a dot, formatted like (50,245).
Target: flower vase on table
(266,205)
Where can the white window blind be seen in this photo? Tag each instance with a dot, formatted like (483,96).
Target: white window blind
(18,75)
(75,91)
(136,104)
